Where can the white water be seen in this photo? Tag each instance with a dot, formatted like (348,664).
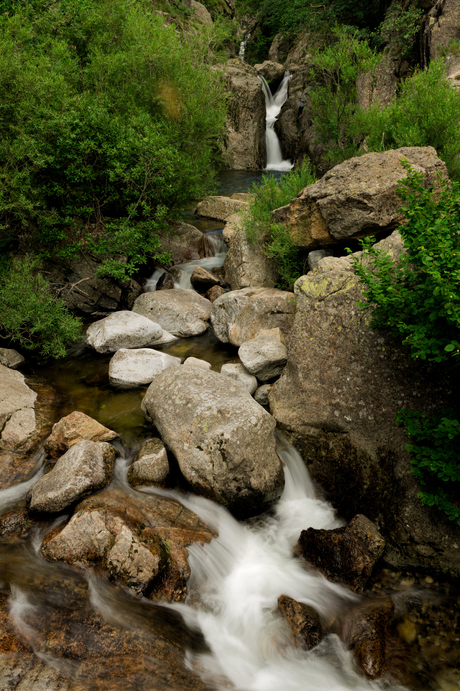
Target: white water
(236,581)
(243,44)
(182,272)
(274,103)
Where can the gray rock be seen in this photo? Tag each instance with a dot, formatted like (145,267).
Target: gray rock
(239,315)
(356,198)
(84,468)
(151,466)
(131,368)
(184,241)
(263,356)
(200,13)
(241,374)
(122,330)
(271,71)
(194,361)
(232,226)
(181,312)
(246,265)
(220,208)
(315,257)
(261,395)
(17,409)
(11,358)
(222,439)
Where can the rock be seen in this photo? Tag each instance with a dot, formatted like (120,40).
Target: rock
(131,368)
(315,257)
(122,330)
(220,208)
(238,316)
(337,400)
(243,197)
(151,466)
(440,31)
(271,71)
(246,265)
(11,358)
(74,428)
(140,540)
(202,279)
(356,198)
(263,356)
(165,282)
(86,467)
(244,144)
(365,634)
(196,362)
(200,13)
(214,293)
(279,48)
(232,226)
(298,51)
(344,555)
(17,409)
(184,241)
(304,622)
(222,439)
(261,395)
(241,374)
(15,525)
(378,86)
(181,312)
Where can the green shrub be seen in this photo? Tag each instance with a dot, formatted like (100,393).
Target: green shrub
(30,315)
(274,238)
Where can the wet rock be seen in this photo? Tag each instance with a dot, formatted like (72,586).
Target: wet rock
(86,467)
(140,540)
(214,293)
(197,363)
(220,208)
(263,356)
(239,315)
(356,198)
(151,466)
(17,409)
(74,428)
(365,634)
(131,368)
(222,439)
(181,312)
(261,395)
(304,622)
(241,374)
(122,330)
(15,525)
(11,358)
(165,282)
(202,279)
(246,265)
(343,555)
(244,145)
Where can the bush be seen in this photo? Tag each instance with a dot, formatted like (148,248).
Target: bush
(274,238)
(107,119)
(30,315)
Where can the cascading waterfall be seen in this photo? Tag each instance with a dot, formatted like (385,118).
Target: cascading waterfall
(274,103)
(243,44)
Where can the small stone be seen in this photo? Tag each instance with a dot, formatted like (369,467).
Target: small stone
(214,293)
(240,373)
(11,358)
(261,395)
(196,361)
(74,428)
(151,466)
(263,356)
(303,621)
(202,279)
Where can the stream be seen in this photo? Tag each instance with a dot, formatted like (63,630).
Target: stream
(95,635)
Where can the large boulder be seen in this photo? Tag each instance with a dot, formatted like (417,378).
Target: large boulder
(122,330)
(17,409)
(74,428)
(356,198)
(246,265)
(181,312)
(240,315)
(244,145)
(184,241)
(84,468)
(223,441)
(131,368)
(338,397)
(220,208)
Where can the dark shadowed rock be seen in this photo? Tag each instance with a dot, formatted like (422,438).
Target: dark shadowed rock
(202,279)
(343,555)
(74,428)
(11,358)
(365,634)
(303,621)
(165,282)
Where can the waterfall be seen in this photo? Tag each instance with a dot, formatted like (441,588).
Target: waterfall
(274,104)
(243,45)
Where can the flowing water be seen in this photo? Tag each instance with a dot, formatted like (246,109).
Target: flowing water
(274,103)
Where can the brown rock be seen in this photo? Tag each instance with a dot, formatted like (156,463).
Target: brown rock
(303,621)
(202,279)
(15,524)
(72,429)
(356,198)
(214,293)
(343,555)
(365,634)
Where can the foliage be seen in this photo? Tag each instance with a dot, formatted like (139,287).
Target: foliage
(435,457)
(336,116)
(107,118)
(401,25)
(274,238)
(30,315)
(417,300)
